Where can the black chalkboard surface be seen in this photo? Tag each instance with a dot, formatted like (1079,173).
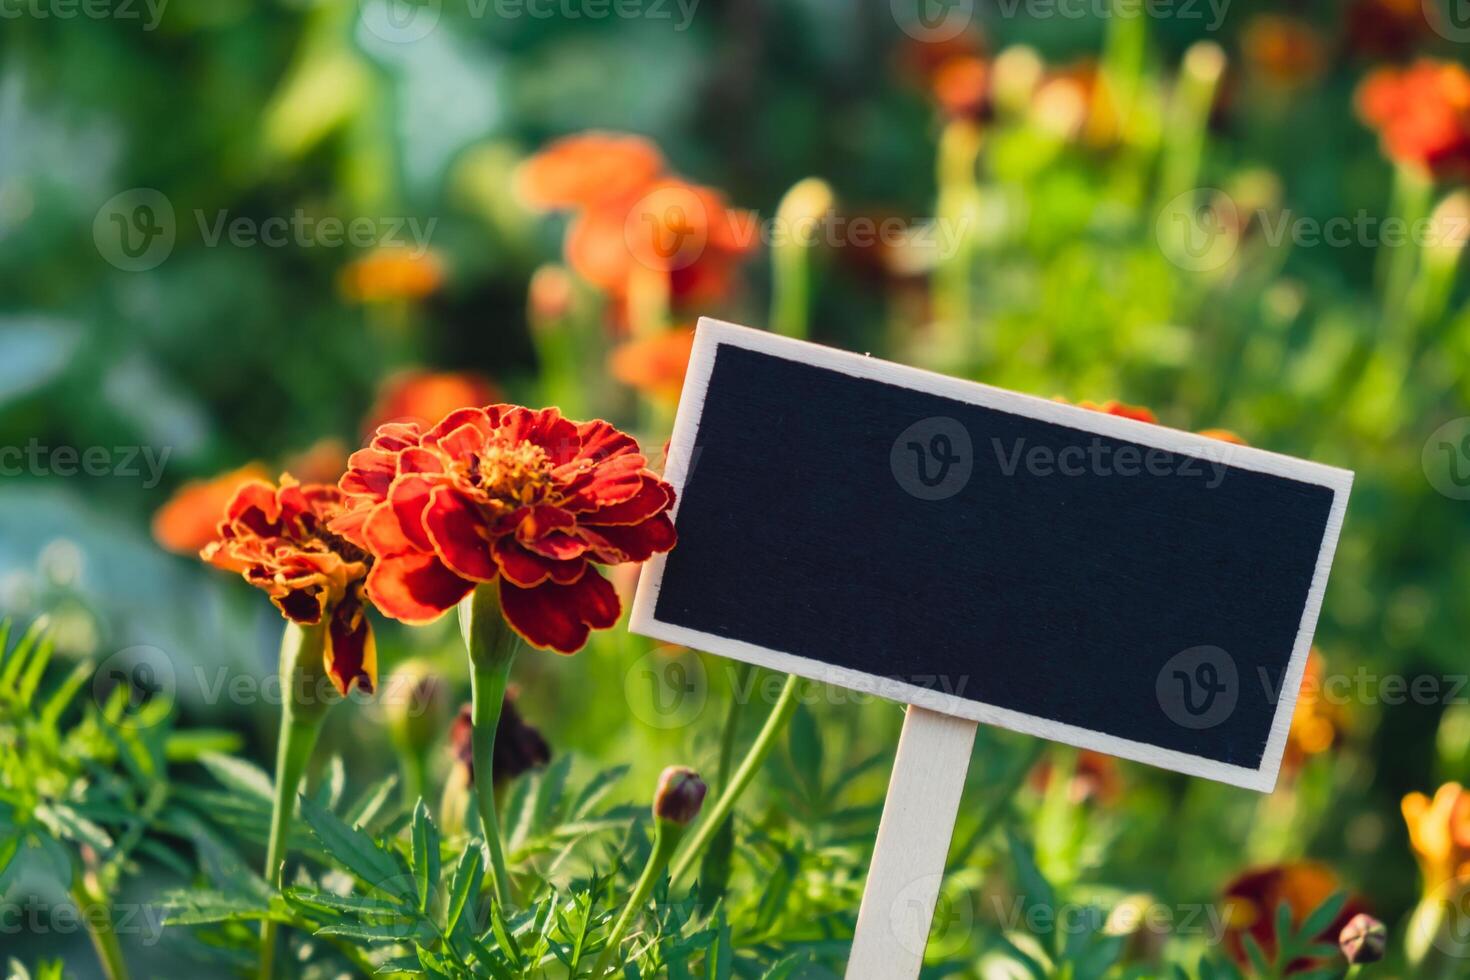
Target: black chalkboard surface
(1087,578)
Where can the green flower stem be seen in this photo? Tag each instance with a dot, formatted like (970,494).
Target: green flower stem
(729,794)
(492,646)
(800,213)
(666,837)
(1396,266)
(100,928)
(304,704)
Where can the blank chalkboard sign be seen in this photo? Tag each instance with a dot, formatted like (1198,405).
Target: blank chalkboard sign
(1103,582)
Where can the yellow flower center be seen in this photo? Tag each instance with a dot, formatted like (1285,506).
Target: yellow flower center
(511,475)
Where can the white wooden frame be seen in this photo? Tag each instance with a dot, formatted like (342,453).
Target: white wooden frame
(712,333)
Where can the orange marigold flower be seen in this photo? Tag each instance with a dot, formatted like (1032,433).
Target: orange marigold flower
(1422,114)
(1439,831)
(654,365)
(1252,898)
(1317,724)
(188,520)
(278,538)
(504,494)
(962,88)
(422,396)
(589,169)
(392,273)
(1135,412)
(1095,777)
(1283,50)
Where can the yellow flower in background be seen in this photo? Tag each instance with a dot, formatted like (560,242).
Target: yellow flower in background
(392,273)
(1317,724)
(1439,832)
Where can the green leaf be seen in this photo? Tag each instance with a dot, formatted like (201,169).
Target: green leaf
(1033,890)
(235,773)
(387,932)
(1321,918)
(425,856)
(356,851)
(596,791)
(351,904)
(468,873)
(371,803)
(804,741)
(787,967)
(192,906)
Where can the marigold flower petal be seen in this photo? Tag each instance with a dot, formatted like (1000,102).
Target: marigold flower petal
(560,617)
(455,534)
(416,588)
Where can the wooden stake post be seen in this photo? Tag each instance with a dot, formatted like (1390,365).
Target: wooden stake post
(1094,580)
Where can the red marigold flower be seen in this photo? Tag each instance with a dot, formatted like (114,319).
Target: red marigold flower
(504,494)
(278,538)
(1422,114)
(962,87)
(1284,51)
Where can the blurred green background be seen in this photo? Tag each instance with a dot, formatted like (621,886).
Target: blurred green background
(1132,200)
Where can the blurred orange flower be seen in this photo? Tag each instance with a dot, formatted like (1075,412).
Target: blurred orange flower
(1135,412)
(1422,114)
(1439,832)
(1317,724)
(322,462)
(589,169)
(654,365)
(276,536)
(391,273)
(632,224)
(187,521)
(1075,103)
(416,395)
(1096,777)
(1284,51)
(962,87)
(1252,898)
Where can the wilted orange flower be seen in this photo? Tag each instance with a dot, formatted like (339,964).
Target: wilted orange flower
(1439,831)
(504,494)
(392,273)
(1422,114)
(519,746)
(1283,50)
(1252,898)
(277,537)
(589,169)
(654,365)
(423,396)
(187,522)
(1317,724)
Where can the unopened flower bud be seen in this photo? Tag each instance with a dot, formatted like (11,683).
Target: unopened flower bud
(1363,939)
(416,703)
(679,796)
(519,747)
